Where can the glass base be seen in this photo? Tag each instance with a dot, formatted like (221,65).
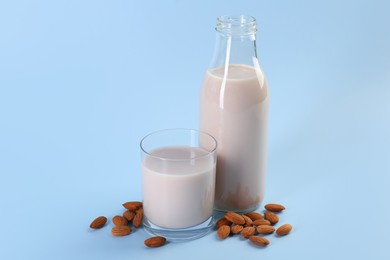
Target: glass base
(239,211)
(179,234)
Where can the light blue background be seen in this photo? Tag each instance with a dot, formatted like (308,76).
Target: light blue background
(81,82)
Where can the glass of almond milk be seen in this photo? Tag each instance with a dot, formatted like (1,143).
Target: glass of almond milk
(178,183)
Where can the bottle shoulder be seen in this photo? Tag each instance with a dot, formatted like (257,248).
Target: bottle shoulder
(236,80)
(236,94)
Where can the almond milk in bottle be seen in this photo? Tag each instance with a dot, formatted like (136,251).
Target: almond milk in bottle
(234,109)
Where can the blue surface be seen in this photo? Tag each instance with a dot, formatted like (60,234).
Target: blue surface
(82,81)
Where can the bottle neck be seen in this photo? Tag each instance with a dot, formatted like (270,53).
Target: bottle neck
(235,41)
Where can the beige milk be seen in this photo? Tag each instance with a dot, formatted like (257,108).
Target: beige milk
(234,110)
(178,193)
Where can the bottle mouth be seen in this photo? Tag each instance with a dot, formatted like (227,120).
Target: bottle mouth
(236,25)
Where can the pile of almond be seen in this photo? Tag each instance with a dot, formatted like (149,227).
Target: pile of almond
(253,223)
(133,215)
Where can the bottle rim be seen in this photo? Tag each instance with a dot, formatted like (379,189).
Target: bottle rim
(236,25)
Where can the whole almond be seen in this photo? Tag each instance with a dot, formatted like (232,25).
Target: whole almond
(254,215)
(137,220)
(260,222)
(248,221)
(236,229)
(235,218)
(155,241)
(284,230)
(259,241)
(248,231)
(274,207)
(119,221)
(129,215)
(98,222)
(132,205)
(223,231)
(271,217)
(265,229)
(121,230)
(223,221)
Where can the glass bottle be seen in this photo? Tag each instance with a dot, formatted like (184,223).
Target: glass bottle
(234,109)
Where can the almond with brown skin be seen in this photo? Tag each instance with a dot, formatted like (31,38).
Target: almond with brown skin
(284,230)
(223,231)
(248,231)
(248,221)
(235,218)
(265,229)
(155,241)
(121,230)
(132,205)
(223,221)
(236,229)
(254,215)
(271,217)
(137,220)
(260,222)
(129,215)
(274,207)
(259,241)
(119,221)
(98,222)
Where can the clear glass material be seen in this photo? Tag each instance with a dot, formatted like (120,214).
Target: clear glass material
(178,183)
(234,109)
(235,42)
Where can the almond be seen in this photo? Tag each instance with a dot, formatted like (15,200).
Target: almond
(248,231)
(254,215)
(235,218)
(274,207)
(271,217)
(132,205)
(137,220)
(223,221)
(119,221)
(129,215)
(260,222)
(155,241)
(259,241)
(236,229)
(265,229)
(121,230)
(248,221)
(223,231)
(98,222)
(284,230)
